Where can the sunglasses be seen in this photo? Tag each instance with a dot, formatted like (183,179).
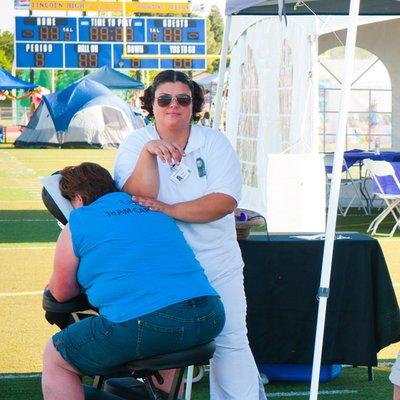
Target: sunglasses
(182,99)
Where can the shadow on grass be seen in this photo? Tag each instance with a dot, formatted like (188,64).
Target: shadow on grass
(357,221)
(23,386)
(360,223)
(27,226)
(20,387)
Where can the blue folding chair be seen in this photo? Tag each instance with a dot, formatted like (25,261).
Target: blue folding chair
(387,188)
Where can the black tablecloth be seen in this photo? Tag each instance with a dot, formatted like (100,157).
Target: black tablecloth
(281,282)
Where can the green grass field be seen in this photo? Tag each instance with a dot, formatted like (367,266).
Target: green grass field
(27,239)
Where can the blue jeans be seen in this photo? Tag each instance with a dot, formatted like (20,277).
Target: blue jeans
(96,346)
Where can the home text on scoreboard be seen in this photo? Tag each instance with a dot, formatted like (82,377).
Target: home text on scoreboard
(82,43)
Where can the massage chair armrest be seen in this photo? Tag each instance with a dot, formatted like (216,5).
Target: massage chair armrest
(61,313)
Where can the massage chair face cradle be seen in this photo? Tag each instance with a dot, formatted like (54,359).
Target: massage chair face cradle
(124,384)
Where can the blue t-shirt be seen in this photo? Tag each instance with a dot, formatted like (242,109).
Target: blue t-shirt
(133,261)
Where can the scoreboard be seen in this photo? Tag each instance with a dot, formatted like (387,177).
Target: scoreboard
(86,42)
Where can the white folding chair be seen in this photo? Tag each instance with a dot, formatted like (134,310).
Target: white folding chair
(355,185)
(390,194)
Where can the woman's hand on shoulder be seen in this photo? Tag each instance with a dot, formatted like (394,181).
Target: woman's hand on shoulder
(153,204)
(168,152)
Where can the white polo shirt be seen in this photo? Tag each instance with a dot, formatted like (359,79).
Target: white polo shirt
(395,372)
(214,168)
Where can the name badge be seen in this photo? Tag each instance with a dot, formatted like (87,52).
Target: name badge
(179,173)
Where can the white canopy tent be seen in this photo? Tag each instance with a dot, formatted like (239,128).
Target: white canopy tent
(271,120)
(352,8)
(272,108)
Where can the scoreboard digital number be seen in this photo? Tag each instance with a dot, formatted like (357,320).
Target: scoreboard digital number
(85,43)
(111,29)
(136,63)
(176,30)
(45,29)
(88,55)
(39,55)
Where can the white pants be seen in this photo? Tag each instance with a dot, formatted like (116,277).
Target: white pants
(395,373)
(234,374)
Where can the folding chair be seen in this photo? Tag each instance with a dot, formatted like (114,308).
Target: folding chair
(387,188)
(355,184)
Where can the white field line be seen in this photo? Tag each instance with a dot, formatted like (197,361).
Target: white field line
(385,363)
(19,201)
(322,392)
(19,376)
(26,187)
(27,248)
(27,220)
(380,364)
(344,226)
(16,294)
(277,394)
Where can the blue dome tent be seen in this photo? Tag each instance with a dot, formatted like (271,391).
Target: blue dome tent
(113,79)
(85,114)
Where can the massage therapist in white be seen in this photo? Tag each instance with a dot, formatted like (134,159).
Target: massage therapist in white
(395,378)
(192,174)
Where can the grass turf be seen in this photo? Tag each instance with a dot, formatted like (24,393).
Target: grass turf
(351,385)
(27,239)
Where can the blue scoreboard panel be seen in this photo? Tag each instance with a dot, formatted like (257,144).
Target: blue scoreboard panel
(83,43)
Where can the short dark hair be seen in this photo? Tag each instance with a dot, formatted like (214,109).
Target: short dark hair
(170,75)
(89,180)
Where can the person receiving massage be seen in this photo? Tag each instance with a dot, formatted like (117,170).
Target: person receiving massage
(137,269)
(191,173)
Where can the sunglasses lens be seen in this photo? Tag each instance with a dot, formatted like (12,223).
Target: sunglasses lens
(183,99)
(164,100)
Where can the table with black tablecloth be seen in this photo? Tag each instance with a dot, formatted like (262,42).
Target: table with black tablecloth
(281,281)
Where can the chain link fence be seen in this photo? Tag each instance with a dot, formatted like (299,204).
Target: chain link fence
(12,120)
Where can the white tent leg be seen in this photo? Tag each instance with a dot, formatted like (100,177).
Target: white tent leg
(323,291)
(221,73)
(189,382)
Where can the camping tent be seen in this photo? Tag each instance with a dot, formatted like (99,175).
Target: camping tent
(85,114)
(113,79)
(327,7)
(9,82)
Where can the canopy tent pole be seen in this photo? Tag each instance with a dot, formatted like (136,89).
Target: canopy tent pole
(221,73)
(323,291)
(53,80)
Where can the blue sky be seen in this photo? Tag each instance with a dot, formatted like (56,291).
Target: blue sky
(7,15)
(7,12)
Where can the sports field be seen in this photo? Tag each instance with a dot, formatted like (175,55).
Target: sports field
(27,240)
